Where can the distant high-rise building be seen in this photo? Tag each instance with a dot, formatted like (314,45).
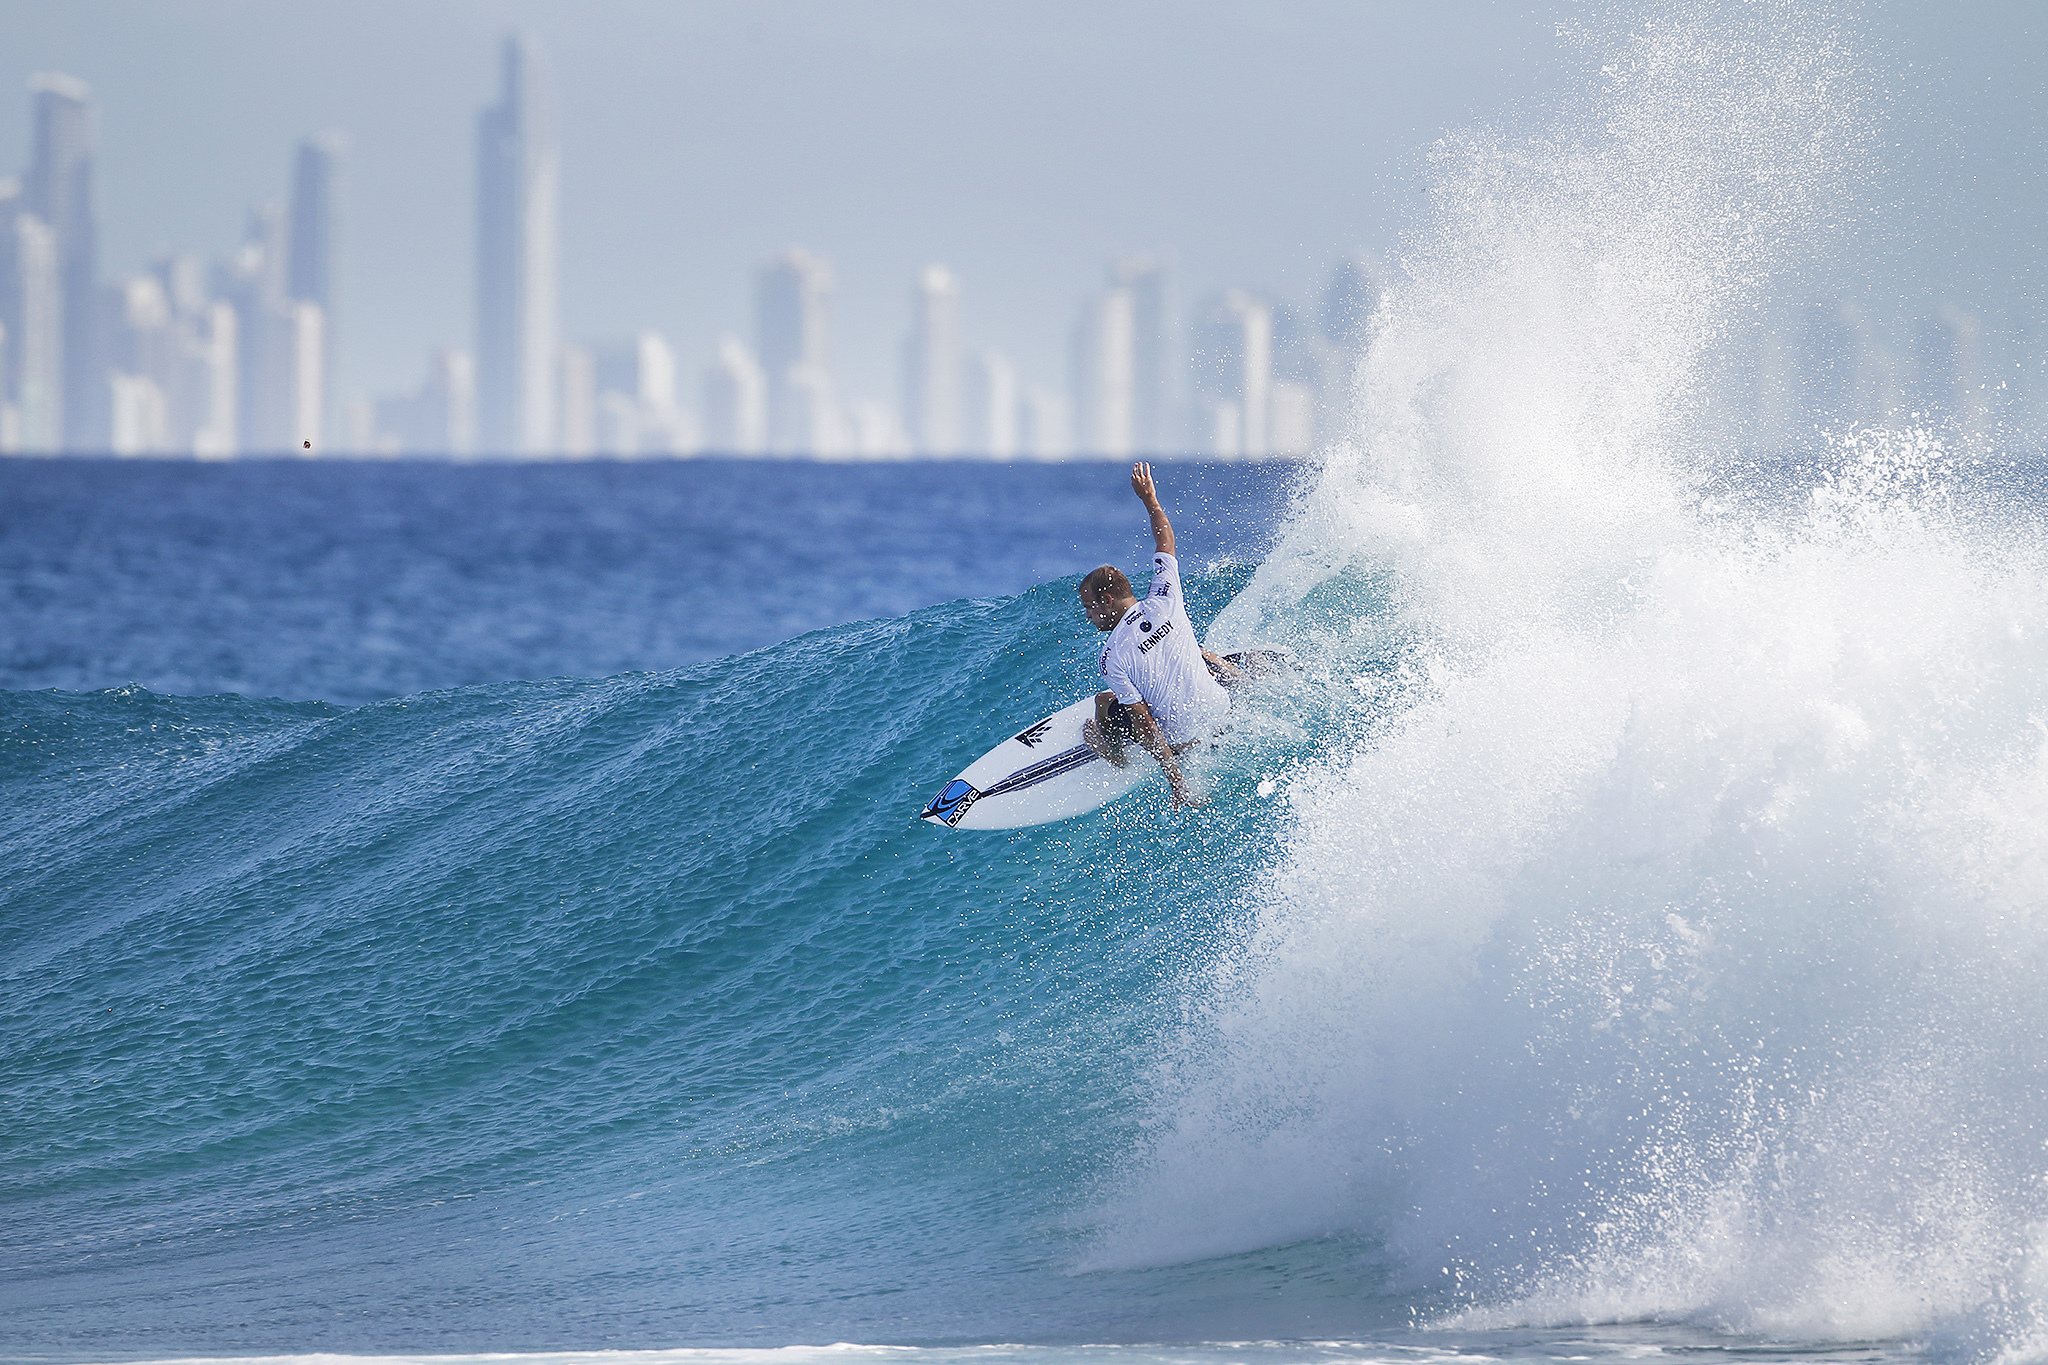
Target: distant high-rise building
(1349,300)
(358,436)
(931,364)
(1344,323)
(578,404)
(439,419)
(58,191)
(792,337)
(637,408)
(1291,421)
(213,382)
(183,276)
(655,381)
(517,203)
(991,407)
(1154,429)
(10,307)
(280,342)
(1043,427)
(36,351)
(1103,358)
(301,346)
(200,390)
(313,267)
(10,314)
(140,418)
(874,433)
(811,420)
(665,427)
(1949,364)
(10,415)
(139,345)
(1842,374)
(1230,358)
(1305,369)
(735,402)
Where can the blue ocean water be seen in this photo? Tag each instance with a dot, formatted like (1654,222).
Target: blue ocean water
(352,582)
(636,1011)
(497,922)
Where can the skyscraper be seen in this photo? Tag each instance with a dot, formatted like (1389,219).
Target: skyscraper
(735,402)
(139,346)
(1836,363)
(58,191)
(516,211)
(792,335)
(1348,303)
(1230,361)
(313,267)
(990,404)
(931,365)
(10,316)
(215,382)
(439,419)
(1153,368)
(637,406)
(1103,359)
(577,403)
(280,342)
(36,335)
(1948,355)
(1042,426)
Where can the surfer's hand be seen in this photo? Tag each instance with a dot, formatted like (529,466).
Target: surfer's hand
(1184,795)
(1141,484)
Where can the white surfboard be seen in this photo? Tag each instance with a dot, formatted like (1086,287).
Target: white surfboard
(1043,772)
(1047,772)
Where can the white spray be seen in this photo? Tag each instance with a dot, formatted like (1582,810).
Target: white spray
(1675,942)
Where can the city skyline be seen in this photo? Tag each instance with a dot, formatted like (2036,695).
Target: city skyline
(1155,359)
(1023,150)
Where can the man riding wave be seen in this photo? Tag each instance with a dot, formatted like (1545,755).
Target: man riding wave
(1160,687)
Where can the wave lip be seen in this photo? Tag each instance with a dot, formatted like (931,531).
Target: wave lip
(1662,942)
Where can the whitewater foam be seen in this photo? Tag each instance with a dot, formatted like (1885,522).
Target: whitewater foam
(1669,942)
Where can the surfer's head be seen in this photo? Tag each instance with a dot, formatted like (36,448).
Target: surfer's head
(1106,595)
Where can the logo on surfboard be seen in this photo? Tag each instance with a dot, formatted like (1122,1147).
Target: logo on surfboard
(1029,739)
(952,803)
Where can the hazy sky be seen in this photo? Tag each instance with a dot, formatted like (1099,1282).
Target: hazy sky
(1022,144)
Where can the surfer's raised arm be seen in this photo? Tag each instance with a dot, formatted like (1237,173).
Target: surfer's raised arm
(1162,529)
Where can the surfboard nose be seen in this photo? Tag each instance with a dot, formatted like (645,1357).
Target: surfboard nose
(951,803)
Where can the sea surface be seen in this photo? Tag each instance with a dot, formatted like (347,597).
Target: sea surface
(480,912)
(353,582)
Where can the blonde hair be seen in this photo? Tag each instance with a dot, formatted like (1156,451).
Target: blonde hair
(1107,581)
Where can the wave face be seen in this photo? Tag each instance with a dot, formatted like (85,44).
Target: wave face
(1670,944)
(565,1014)
(1632,911)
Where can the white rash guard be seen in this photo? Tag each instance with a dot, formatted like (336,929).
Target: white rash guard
(1153,656)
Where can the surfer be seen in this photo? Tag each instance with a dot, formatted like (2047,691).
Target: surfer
(1160,688)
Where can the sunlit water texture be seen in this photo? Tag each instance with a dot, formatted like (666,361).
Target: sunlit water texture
(1621,937)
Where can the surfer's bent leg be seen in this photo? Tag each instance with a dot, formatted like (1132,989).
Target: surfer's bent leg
(1110,728)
